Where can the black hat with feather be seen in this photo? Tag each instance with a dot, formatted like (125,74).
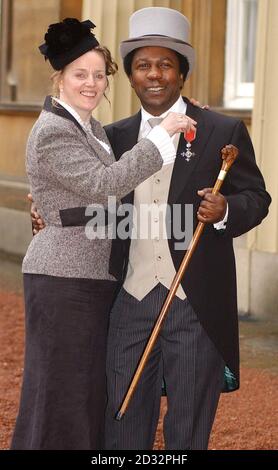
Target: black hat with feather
(68,40)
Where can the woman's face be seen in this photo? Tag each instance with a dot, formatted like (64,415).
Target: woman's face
(83,83)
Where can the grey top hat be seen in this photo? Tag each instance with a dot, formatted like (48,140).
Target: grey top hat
(158,26)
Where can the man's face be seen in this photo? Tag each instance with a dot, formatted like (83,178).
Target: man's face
(156,78)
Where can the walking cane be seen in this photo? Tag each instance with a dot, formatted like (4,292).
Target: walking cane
(229,154)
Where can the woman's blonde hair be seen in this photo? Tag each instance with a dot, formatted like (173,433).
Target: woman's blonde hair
(110,69)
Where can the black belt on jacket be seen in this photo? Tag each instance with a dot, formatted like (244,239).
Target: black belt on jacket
(76,216)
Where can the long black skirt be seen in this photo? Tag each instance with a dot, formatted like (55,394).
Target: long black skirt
(63,395)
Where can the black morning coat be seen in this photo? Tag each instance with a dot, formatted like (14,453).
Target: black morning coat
(210,280)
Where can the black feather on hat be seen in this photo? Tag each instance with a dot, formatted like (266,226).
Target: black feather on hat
(68,40)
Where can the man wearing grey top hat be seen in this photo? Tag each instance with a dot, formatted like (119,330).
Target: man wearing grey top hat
(197,350)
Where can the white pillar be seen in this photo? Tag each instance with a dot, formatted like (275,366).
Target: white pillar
(265,120)
(262,242)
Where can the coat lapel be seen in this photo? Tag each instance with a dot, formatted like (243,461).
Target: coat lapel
(183,169)
(98,149)
(60,111)
(125,137)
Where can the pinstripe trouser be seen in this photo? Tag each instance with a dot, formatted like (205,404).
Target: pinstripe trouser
(192,368)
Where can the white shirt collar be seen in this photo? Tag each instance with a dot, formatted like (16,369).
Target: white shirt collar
(178,107)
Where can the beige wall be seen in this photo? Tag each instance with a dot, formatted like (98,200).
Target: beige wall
(29,20)
(30,75)
(14,131)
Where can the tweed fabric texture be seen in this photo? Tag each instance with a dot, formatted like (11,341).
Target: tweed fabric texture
(69,168)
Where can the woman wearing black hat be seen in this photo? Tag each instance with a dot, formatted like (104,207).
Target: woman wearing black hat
(68,289)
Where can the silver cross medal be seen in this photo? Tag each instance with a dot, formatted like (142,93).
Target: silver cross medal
(189,137)
(188,154)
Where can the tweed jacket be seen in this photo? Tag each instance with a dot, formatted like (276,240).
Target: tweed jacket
(67,169)
(210,280)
